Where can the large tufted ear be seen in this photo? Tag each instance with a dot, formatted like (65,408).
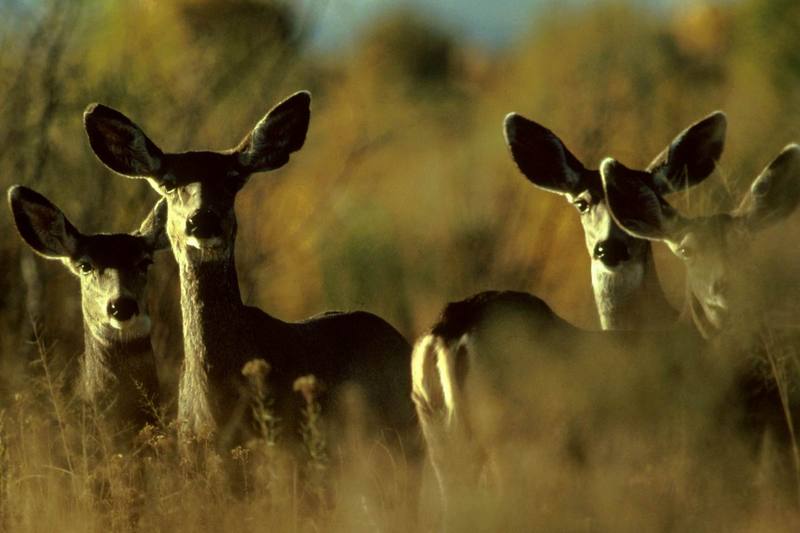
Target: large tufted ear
(635,205)
(692,156)
(775,193)
(542,157)
(41,224)
(120,144)
(281,132)
(154,227)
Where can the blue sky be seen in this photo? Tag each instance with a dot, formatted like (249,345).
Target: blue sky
(489,22)
(493,23)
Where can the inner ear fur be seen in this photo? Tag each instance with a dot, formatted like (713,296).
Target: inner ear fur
(775,193)
(692,156)
(542,157)
(281,132)
(154,227)
(120,144)
(41,224)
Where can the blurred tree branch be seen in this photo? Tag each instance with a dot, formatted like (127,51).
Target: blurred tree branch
(241,63)
(31,146)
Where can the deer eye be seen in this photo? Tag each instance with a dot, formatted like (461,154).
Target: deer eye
(686,252)
(169,183)
(581,205)
(84,267)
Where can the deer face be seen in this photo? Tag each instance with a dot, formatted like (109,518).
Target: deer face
(112,268)
(199,187)
(714,249)
(618,258)
(113,273)
(715,252)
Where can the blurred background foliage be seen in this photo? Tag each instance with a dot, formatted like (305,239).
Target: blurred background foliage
(404,196)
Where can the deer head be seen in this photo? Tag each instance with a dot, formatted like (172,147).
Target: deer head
(112,268)
(199,186)
(618,258)
(713,248)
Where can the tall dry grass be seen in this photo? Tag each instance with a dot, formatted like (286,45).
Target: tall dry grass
(618,445)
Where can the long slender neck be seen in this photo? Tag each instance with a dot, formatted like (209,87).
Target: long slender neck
(210,299)
(120,373)
(645,307)
(213,328)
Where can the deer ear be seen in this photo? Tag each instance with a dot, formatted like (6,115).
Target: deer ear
(635,206)
(281,132)
(41,224)
(541,156)
(154,227)
(692,156)
(120,144)
(775,193)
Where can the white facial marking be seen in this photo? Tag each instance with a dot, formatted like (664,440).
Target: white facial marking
(138,325)
(613,289)
(214,243)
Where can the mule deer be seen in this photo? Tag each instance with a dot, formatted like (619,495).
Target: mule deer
(489,366)
(221,334)
(713,248)
(626,289)
(722,292)
(118,369)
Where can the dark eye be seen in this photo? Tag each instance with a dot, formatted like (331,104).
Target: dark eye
(581,205)
(169,183)
(686,252)
(85,267)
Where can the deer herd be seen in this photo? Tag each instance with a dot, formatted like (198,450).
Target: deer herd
(469,387)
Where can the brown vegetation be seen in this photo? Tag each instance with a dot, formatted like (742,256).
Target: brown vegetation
(404,197)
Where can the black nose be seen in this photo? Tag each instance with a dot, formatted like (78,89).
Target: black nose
(204,224)
(123,308)
(611,252)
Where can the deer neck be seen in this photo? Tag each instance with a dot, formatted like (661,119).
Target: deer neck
(640,307)
(213,317)
(120,372)
(210,300)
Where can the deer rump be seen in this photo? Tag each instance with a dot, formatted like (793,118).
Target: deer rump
(502,382)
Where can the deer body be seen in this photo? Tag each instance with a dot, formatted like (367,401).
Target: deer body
(338,348)
(220,333)
(118,369)
(504,387)
(488,354)
(723,298)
